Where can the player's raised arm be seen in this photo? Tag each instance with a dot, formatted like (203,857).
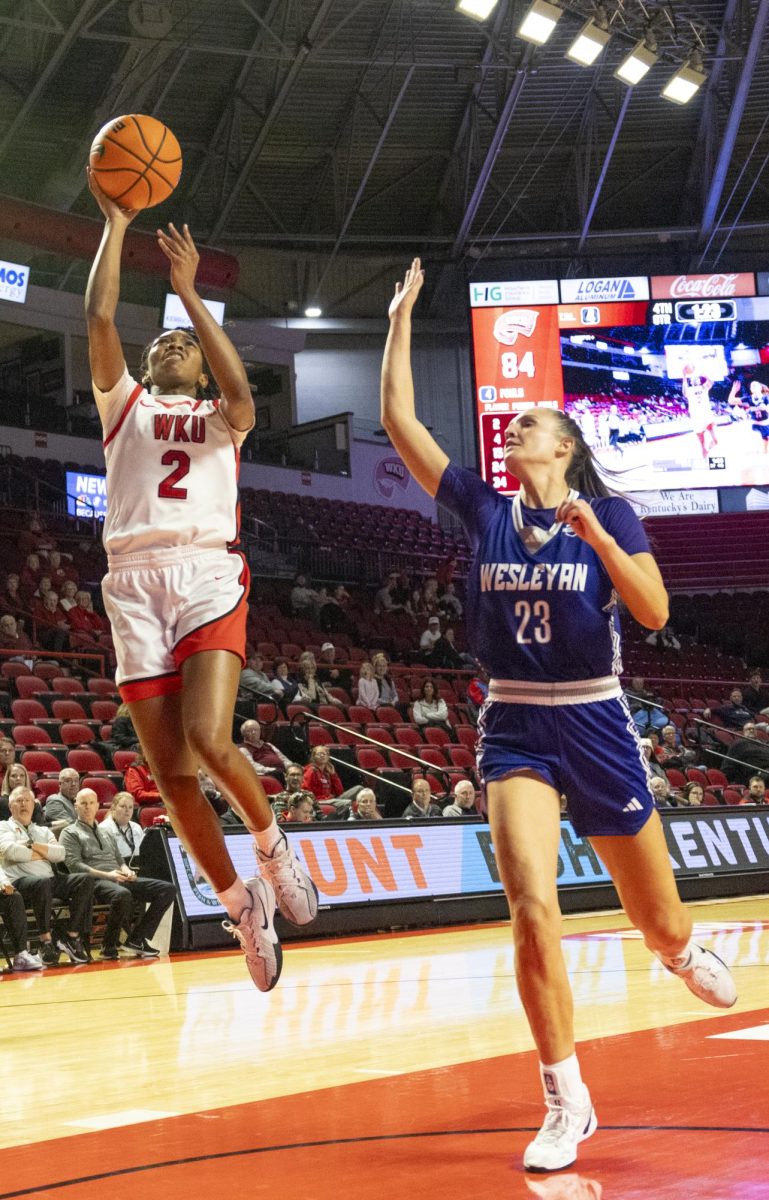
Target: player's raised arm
(416,446)
(103,292)
(221,355)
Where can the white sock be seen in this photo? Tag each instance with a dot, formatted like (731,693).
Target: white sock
(563,1080)
(267,839)
(236,899)
(677,961)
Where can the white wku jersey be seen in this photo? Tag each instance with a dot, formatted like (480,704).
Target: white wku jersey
(172,471)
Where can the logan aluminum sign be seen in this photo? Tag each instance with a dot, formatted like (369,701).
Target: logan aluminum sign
(702,287)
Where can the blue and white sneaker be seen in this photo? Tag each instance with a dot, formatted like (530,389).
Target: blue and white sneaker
(295,892)
(565,1126)
(256,933)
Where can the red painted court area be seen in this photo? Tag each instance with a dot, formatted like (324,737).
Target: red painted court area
(682,1113)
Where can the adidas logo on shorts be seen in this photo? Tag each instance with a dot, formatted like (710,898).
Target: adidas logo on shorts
(633,806)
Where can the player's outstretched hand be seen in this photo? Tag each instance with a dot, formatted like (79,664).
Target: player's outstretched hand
(580,517)
(406,293)
(110,208)
(181,252)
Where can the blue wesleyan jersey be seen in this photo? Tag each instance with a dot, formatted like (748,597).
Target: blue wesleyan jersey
(547,615)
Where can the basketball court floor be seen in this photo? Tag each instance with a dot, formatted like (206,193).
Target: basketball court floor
(384,1066)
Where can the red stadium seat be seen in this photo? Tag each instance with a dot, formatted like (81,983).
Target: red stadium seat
(694,775)
(347,735)
(69,710)
(407,735)
(320,735)
(28,686)
(45,788)
(267,650)
(293,710)
(267,713)
(467,736)
(380,733)
(40,762)
(25,712)
(732,796)
(676,778)
(76,734)
(11,670)
(31,735)
(46,670)
(387,715)
(437,786)
(103,710)
(101,687)
(434,756)
(398,758)
(271,784)
(360,714)
(710,800)
(369,759)
(68,686)
(85,761)
(330,712)
(105,788)
(462,757)
(148,814)
(434,736)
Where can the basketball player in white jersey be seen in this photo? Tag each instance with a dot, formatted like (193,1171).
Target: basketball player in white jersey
(177,586)
(696,389)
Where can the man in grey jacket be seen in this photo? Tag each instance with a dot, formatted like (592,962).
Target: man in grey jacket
(93,850)
(30,853)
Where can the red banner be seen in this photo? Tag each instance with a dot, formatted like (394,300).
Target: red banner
(703,287)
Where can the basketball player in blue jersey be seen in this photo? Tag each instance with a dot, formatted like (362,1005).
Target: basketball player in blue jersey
(547,572)
(176,591)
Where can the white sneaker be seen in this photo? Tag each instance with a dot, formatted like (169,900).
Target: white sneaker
(256,933)
(555,1146)
(24,961)
(708,977)
(296,894)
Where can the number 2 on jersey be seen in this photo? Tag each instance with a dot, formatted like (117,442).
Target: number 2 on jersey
(540,611)
(167,489)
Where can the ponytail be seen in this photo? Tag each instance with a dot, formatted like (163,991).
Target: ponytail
(582,474)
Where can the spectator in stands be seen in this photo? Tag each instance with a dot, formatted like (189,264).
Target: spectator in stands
(265,758)
(734,714)
(445,574)
(302,598)
(692,796)
(663,793)
(30,578)
(655,769)
(300,811)
(30,854)
(140,782)
(67,593)
(431,709)
(746,756)
(14,914)
(447,657)
(365,807)
(60,573)
(256,683)
(7,756)
(477,691)
(332,615)
(421,802)
(123,736)
(464,801)
(646,709)
(430,596)
(756,695)
(60,806)
(401,593)
(17,775)
(756,793)
(35,539)
(12,637)
(51,621)
(294,788)
(217,800)
(310,690)
(288,685)
(663,639)
(671,753)
(84,621)
(329,673)
(89,850)
(388,693)
(321,779)
(128,834)
(429,640)
(383,601)
(11,600)
(450,607)
(416,607)
(368,688)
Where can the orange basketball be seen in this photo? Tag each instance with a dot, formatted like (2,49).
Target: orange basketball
(137,161)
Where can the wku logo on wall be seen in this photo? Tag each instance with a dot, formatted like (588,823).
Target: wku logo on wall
(390,473)
(703,287)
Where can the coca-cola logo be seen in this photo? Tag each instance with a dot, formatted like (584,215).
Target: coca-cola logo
(703,285)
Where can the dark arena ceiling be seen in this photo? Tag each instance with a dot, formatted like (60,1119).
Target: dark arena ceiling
(327,141)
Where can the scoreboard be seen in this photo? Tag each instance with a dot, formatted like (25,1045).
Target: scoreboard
(621,355)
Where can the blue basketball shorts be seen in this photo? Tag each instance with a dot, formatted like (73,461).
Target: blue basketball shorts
(578,737)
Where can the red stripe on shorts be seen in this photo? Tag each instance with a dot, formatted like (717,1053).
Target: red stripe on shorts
(222,633)
(155,685)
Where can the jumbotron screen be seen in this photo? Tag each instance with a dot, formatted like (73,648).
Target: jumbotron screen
(667,377)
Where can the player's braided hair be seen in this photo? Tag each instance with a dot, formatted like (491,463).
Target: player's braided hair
(209,392)
(582,473)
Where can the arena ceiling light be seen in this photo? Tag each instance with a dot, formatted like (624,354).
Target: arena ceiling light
(539,22)
(640,59)
(479,9)
(686,82)
(313,310)
(588,43)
